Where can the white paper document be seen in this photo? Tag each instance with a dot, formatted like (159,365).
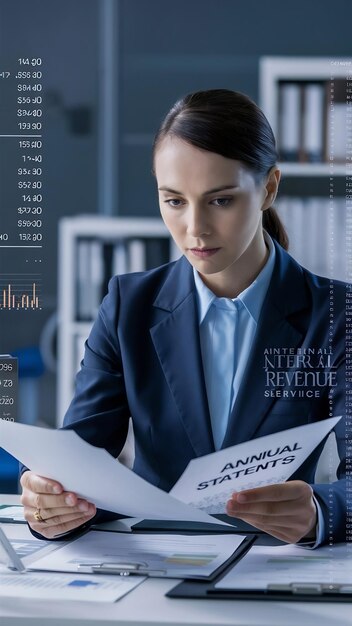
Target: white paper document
(92,473)
(18,549)
(27,547)
(286,565)
(10,513)
(209,481)
(174,556)
(66,586)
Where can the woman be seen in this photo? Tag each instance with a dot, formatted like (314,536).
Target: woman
(183,348)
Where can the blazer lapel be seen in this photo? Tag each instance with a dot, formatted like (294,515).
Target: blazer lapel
(176,341)
(278,326)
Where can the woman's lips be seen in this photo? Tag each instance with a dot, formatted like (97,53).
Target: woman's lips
(203,253)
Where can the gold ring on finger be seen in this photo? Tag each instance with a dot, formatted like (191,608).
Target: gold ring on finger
(38,517)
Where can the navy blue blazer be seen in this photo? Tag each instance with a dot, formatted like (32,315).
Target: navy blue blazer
(143,359)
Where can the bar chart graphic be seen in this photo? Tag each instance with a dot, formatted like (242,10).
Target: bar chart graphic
(20,292)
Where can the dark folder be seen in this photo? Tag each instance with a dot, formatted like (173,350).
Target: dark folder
(295,592)
(300,592)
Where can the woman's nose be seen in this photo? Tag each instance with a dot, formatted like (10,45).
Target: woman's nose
(197,223)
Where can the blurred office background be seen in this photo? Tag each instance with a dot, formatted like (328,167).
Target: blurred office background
(111,70)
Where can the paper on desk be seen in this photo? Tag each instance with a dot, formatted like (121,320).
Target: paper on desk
(283,565)
(27,547)
(26,584)
(174,556)
(209,481)
(66,586)
(11,513)
(92,473)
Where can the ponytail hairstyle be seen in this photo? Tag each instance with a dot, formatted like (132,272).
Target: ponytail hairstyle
(228,123)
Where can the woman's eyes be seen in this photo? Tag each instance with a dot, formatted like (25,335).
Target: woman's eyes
(221,202)
(172,202)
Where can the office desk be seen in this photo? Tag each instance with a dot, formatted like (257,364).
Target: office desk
(147,605)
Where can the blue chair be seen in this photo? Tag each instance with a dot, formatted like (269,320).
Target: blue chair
(30,368)
(8,473)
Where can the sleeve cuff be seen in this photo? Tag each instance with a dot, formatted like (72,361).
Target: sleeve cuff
(319,530)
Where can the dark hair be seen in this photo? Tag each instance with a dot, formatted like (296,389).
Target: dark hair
(228,123)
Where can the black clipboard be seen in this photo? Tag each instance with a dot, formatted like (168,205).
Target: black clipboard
(295,592)
(298,593)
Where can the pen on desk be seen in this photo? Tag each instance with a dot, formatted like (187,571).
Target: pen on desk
(120,569)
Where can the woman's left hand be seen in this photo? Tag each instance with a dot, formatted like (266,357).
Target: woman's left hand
(287,511)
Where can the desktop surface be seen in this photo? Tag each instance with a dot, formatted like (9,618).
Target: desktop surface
(147,605)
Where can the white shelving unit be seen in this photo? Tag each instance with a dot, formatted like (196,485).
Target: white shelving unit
(307,224)
(304,213)
(73,332)
(274,70)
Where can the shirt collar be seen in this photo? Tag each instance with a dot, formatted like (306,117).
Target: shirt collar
(252,297)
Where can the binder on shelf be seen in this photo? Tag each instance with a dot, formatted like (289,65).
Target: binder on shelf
(96,276)
(290,121)
(312,128)
(108,255)
(90,278)
(313,122)
(83,280)
(336,133)
(119,258)
(325,254)
(136,255)
(336,121)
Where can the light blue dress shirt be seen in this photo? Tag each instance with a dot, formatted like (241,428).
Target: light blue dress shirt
(227,328)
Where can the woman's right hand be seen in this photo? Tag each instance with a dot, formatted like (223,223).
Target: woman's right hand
(58,511)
